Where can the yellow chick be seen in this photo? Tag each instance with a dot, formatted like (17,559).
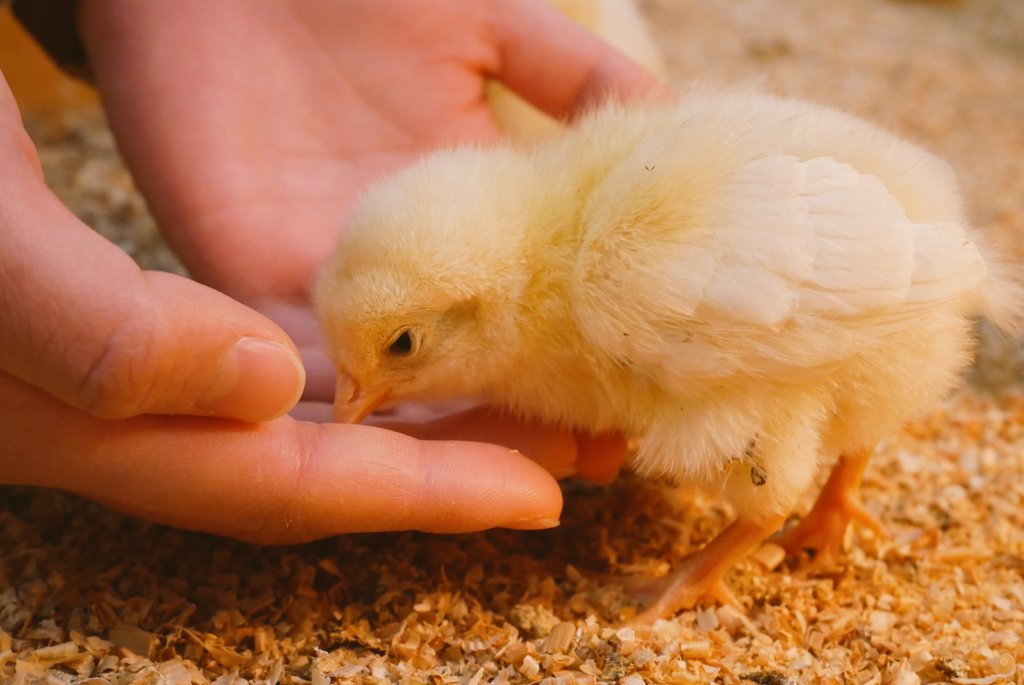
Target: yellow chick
(745,284)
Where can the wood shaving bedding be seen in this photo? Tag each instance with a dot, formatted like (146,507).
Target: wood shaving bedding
(88,593)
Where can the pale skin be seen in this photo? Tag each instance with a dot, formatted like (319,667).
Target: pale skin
(251,128)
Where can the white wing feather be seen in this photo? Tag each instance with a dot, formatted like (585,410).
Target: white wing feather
(802,263)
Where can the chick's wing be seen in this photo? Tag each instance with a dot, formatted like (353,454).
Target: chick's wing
(786,265)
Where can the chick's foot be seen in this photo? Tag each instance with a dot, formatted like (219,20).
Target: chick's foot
(701,577)
(839,503)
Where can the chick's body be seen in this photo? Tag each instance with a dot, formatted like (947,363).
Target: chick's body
(741,282)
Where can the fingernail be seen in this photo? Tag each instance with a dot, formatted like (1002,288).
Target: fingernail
(257,381)
(533,524)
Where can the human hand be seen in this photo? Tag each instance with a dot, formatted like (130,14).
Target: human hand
(284,133)
(253,127)
(282,481)
(114,383)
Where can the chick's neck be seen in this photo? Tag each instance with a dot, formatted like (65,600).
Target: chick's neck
(530,332)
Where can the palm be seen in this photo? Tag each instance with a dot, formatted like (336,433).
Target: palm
(264,150)
(251,128)
(262,229)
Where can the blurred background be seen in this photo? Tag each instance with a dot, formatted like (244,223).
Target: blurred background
(38,85)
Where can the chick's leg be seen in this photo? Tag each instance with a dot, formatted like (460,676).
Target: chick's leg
(839,503)
(702,575)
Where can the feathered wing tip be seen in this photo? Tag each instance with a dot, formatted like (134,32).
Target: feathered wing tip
(1002,291)
(1003,297)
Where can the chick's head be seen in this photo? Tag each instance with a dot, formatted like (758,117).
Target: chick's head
(394,340)
(424,268)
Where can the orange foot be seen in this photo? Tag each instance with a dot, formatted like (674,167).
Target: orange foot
(839,503)
(701,578)
(684,588)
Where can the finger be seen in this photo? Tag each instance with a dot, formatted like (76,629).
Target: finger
(601,456)
(559,66)
(10,121)
(564,453)
(283,481)
(299,322)
(552,448)
(80,320)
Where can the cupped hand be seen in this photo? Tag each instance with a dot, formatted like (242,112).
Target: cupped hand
(252,128)
(114,384)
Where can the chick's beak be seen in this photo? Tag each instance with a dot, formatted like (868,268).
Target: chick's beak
(351,404)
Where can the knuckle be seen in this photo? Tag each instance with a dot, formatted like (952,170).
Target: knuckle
(281,517)
(118,381)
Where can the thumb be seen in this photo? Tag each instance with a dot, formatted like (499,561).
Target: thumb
(173,346)
(80,320)
(534,35)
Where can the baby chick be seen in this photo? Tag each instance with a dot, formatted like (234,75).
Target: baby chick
(744,284)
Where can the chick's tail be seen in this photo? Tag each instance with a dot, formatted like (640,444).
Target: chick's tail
(1002,293)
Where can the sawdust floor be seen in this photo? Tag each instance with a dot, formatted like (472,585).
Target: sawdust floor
(88,595)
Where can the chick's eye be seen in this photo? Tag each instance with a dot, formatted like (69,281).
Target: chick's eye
(402,345)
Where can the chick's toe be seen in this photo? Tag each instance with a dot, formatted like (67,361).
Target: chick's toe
(839,503)
(701,577)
